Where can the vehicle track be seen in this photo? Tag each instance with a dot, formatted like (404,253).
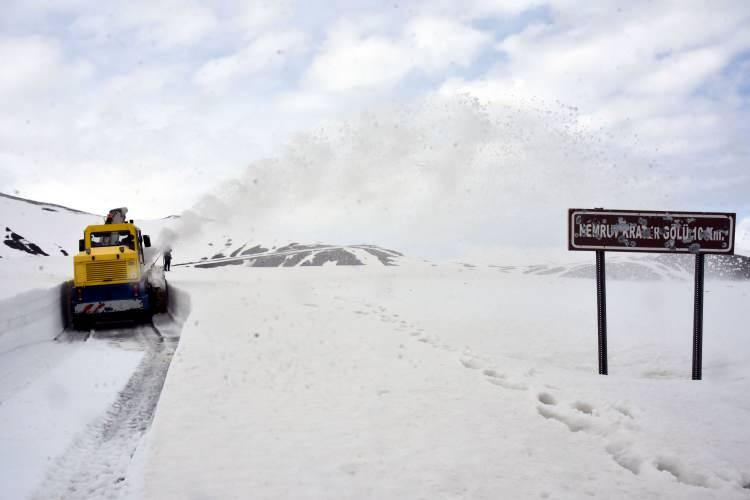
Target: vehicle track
(97,462)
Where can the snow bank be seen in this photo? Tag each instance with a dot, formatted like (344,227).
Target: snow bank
(31,299)
(179,304)
(30,317)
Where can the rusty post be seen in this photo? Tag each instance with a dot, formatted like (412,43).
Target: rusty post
(698,318)
(601,311)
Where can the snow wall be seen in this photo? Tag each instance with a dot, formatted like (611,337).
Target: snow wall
(31,317)
(179,304)
(37,315)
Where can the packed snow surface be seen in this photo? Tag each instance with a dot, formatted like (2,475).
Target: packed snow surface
(448,382)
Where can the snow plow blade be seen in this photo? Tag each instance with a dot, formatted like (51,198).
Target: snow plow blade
(91,306)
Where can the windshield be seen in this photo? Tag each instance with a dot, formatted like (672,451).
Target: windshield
(112,239)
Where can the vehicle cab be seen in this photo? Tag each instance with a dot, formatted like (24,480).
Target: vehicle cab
(110,254)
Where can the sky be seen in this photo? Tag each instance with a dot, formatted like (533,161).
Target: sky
(471,124)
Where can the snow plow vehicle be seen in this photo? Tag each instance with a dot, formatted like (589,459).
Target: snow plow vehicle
(113,280)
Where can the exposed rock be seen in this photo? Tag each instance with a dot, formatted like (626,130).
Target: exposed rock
(18,242)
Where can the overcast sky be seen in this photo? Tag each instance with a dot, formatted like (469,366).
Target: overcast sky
(488,105)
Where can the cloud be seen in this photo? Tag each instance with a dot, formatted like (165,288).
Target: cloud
(440,43)
(265,53)
(655,50)
(649,76)
(306,101)
(258,16)
(170,23)
(349,63)
(162,25)
(684,72)
(34,64)
(352,60)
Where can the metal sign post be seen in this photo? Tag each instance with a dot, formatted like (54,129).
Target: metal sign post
(699,233)
(698,318)
(601,310)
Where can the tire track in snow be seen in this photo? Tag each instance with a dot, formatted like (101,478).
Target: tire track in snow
(96,463)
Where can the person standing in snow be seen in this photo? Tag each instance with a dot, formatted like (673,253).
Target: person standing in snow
(167,258)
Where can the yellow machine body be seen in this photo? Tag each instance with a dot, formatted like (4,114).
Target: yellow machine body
(111,254)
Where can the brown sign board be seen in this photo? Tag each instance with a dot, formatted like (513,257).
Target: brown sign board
(651,231)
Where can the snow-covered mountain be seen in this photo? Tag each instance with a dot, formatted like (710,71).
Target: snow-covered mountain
(37,228)
(651,267)
(295,254)
(34,228)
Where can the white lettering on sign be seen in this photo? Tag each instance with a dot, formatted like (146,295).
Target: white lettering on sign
(643,232)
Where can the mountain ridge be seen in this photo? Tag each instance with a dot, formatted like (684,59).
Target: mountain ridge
(55,229)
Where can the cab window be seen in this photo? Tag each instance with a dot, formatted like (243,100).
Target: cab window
(112,239)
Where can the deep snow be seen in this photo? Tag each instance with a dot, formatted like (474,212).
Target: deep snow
(448,382)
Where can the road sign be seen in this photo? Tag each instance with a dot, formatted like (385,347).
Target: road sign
(699,233)
(650,231)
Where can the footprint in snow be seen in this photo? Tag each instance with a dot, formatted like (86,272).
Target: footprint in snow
(471,363)
(626,454)
(546,398)
(501,380)
(674,467)
(573,423)
(584,407)
(508,384)
(493,374)
(581,406)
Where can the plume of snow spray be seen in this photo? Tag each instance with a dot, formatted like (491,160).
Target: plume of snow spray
(447,171)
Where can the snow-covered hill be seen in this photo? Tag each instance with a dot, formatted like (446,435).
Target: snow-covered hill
(296,254)
(650,267)
(36,228)
(43,229)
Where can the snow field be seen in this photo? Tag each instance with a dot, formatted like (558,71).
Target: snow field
(303,414)
(544,329)
(447,383)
